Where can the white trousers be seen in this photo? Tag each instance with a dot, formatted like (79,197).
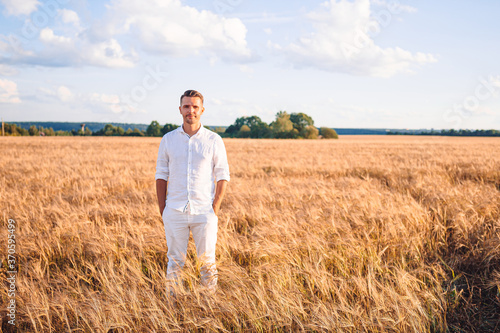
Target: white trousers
(204,229)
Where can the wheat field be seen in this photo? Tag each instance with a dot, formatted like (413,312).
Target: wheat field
(360,234)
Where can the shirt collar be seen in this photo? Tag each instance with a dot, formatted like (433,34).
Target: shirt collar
(200,131)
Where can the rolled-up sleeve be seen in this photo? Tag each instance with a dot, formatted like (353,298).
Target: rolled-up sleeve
(221,167)
(162,171)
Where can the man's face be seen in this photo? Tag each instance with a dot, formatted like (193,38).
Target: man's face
(191,110)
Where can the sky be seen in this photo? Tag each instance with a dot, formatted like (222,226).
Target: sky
(346,63)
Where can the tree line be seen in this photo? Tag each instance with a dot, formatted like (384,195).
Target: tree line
(452,132)
(107,130)
(285,126)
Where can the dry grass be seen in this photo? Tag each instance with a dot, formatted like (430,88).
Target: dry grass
(363,234)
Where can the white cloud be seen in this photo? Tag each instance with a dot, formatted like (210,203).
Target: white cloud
(495,81)
(97,102)
(69,16)
(74,50)
(8,92)
(48,37)
(107,54)
(246,69)
(342,42)
(395,7)
(7,70)
(62,93)
(485,111)
(10,46)
(265,17)
(65,94)
(19,7)
(109,102)
(168,27)
(106,103)
(165,27)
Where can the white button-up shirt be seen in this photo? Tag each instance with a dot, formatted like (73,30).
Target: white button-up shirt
(191,165)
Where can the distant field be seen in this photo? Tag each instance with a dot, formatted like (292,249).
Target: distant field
(360,234)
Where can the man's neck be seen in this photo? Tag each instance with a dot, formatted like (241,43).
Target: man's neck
(191,129)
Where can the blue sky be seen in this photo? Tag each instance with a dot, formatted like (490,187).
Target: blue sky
(346,63)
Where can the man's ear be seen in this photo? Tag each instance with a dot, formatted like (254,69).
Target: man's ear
(180,110)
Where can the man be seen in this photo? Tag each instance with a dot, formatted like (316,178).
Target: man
(192,161)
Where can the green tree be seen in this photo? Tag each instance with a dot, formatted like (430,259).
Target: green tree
(14,130)
(231,131)
(257,127)
(33,130)
(63,133)
(48,131)
(11,129)
(240,122)
(107,130)
(168,128)
(310,132)
(283,126)
(88,132)
(220,130)
(301,121)
(261,131)
(328,133)
(252,121)
(154,129)
(244,132)
(135,132)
